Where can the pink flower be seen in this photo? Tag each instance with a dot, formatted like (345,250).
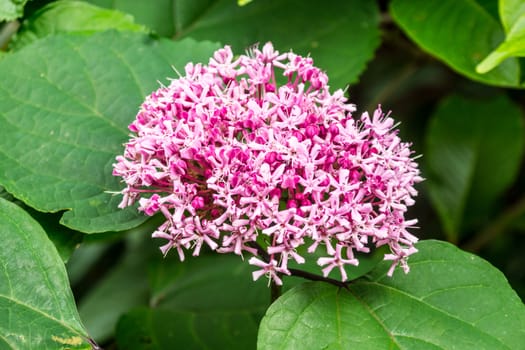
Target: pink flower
(231,159)
(271,269)
(338,261)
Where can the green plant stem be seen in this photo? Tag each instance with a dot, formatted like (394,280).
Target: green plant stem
(7,31)
(94,345)
(497,227)
(313,277)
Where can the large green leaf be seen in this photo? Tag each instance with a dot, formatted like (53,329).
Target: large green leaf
(473,154)
(449,300)
(209,302)
(341,36)
(37,309)
(72,16)
(458,32)
(66,103)
(11,9)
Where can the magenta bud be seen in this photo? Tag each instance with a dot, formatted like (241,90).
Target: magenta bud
(298,135)
(312,130)
(197,202)
(269,87)
(355,175)
(275,193)
(292,203)
(311,119)
(305,202)
(325,182)
(333,129)
(270,157)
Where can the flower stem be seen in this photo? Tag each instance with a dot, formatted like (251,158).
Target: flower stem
(94,345)
(260,251)
(313,277)
(275,291)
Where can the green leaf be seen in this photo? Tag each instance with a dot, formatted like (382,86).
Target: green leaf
(490,6)
(123,287)
(11,9)
(74,17)
(450,300)
(85,258)
(458,32)
(161,329)
(473,153)
(159,15)
(208,301)
(220,283)
(513,46)
(66,103)
(37,309)
(186,13)
(510,11)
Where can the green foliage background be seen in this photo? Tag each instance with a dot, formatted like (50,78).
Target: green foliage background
(72,75)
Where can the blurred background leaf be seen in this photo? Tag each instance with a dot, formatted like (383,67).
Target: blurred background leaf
(123,285)
(213,282)
(473,153)
(208,301)
(145,328)
(162,16)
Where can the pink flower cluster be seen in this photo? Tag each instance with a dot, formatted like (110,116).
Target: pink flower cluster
(239,162)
